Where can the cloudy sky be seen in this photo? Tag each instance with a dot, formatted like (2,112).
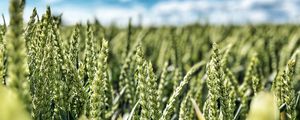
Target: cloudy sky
(168,12)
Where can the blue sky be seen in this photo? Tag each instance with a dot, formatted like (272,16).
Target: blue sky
(168,12)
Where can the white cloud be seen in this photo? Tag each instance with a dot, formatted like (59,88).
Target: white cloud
(181,12)
(118,15)
(178,12)
(223,12)
(247,4)
(73,14)
(52,1)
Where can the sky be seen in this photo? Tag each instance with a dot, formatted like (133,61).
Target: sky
(167,12)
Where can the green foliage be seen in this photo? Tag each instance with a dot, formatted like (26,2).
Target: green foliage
(52,71)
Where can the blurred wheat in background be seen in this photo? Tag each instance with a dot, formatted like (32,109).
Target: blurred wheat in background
(49,70)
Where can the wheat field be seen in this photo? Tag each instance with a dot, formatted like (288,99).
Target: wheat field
(194,72)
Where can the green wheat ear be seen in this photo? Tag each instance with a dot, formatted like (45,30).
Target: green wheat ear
(16,53)
(250,72)
(174,97)
(284,91)
(152,92)
(2,67)
(73,50)
(287,90)
(2,49)
(143,86)
(99,98)
(29,31)
(250,84)
(186,110)
(215,74)
(161,85)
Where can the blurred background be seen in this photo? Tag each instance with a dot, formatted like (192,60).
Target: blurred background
(167,12)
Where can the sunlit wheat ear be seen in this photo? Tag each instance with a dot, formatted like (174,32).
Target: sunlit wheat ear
(250,72)
(152,91)
(99,98)
(215,74)
(186,110)
(90,55)
(250,85)
(126,77)
(161,85)
(40,60)
(284,90)
(170,105)
(287,89)
(142,77)
(29,31)
(73,50)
